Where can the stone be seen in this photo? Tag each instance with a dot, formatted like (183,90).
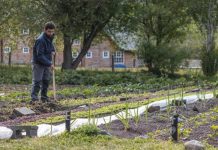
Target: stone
(124,98)
(103,132)
(193,90)
(195,108)
(180,120)
(23,111)
(194,145)
(83,106)
(152,90)
(5,133)
(152,109)
(144,136)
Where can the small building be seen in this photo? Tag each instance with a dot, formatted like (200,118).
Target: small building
(191,64)
(99,55)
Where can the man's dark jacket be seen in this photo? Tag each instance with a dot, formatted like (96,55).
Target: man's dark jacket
(42,50)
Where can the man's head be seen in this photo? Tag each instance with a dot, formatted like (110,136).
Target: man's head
(49,29)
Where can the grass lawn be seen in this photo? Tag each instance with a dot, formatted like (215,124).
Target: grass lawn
(79,141)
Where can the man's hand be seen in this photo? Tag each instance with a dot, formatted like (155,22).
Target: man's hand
(52,67)
(53,60)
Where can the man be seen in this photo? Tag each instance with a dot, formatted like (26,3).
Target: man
(43,51)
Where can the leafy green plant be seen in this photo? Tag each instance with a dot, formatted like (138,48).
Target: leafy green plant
(107,124)
(146,113)
(89,130)
(184,132)
(94,119)
(89,111)
(136,115)
(214,128)
(124,118)
(182,92)
(168,100)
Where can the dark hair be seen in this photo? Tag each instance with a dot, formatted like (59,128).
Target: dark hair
(49,25)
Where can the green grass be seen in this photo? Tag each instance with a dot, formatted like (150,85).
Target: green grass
(87,138)
(81,142)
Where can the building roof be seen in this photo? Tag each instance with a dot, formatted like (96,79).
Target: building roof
(125,41)
(192,63)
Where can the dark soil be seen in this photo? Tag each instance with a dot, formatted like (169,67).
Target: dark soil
(201,133)
(159,123)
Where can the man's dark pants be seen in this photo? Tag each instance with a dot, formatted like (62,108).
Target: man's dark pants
(41,76)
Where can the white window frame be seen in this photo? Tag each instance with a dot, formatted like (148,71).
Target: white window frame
(8,50)
(76,42)
(119,55)
(27,49)
(26,31)
(106,52)
(75,54)
(87,54)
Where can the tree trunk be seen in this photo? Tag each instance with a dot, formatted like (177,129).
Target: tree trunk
(87,40)
(149,65)
(112,63)
(9,59)
(2,51)
(209,55)
(210,30)
(85,47)
(67,55)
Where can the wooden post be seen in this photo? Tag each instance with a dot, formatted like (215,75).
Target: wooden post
(67,121)
(2,51)
(53,77)
(134,63)
(112,62)
(175,128)
(9,59)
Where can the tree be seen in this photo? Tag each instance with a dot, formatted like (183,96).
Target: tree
(204,13)
(160,23)
(83,19)
(7,11)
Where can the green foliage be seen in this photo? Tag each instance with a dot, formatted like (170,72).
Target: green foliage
(162,58)
(136,116)
(204,13)
(124,118)
(215,128)
(88,130)
(108,124)
(22,75)
(209,62)
(184,132)
(77,141)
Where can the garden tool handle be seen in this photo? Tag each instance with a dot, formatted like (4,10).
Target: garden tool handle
(53,77)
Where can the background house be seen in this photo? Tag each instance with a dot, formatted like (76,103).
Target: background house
(98,56)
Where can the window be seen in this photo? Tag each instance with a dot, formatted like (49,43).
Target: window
(118,57)
(89,55)
(106,54)
(26,31)
(26,50)
(76,42)
(75,54)
(7,50)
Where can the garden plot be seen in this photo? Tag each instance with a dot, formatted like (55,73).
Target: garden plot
(193,119)
(53,130)
(123,115)
(99,105)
